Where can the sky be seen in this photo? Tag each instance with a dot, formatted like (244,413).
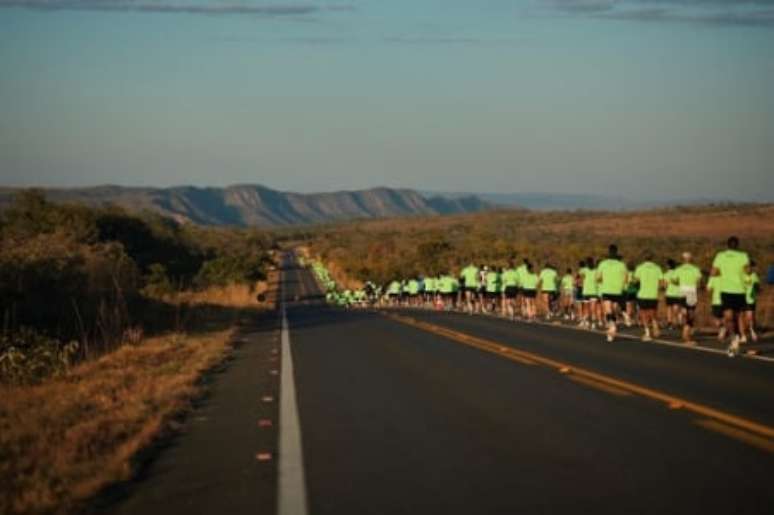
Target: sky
(647,99)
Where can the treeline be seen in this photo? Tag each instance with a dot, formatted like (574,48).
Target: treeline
(76,280)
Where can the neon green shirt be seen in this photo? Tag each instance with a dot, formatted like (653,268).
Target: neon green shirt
(589,281)
(713,285)
(492,281)
(510,277)
(568,282)
(394,288)
(529,281)
(732,264)
(649,275)
(430,285)
(548,278)
(753,282)
(672,290)
(611,275)
(469,275)
(688,274)
(413,287)
(447,284)
(522,271)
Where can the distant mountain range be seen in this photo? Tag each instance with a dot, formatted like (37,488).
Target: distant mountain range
(571,202)
(253,205)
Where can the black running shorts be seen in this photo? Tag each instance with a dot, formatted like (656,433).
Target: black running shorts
(734,301)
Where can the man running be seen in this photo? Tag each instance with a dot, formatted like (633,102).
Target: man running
(650,278)
(630,294)
(590,296)
(753,285)
(568,294)
(430,290)
(447,290)
(413,292)
(492,288)
(674,298)
(732,265)
(483,270)
(529,283)
(469,285)
(688,280)
(521,305)
(713,286)
(393,292)
(611,278)
(510,280)
(547,282)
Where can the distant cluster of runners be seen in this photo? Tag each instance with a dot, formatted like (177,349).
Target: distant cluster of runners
(599,293)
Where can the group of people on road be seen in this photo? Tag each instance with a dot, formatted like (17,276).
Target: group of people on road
(599,293)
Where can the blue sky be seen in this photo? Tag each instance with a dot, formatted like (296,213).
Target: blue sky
(642,98)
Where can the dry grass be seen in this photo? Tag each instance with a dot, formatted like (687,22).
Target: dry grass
(382,250)
(61,441)
(231,296)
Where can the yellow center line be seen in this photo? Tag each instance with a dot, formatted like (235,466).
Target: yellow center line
(737,434)
(565,368)
(599,386)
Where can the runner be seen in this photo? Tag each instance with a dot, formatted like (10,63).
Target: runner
(580,304)
(430,290)
(492,292)
(393,292)
(568,295)
(529,284)
(713,286)
(447,291)
(630,294)
(469,286)
(732,265)
(674,298)
(481,293)
(650,277)
(413,292)
(590,296)
(753,287)
(510,280)
(521,304)
(547,284)
(611,277)
(453,288)
(688,280)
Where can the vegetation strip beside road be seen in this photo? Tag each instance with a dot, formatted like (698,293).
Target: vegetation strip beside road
(513,354)
(64,440)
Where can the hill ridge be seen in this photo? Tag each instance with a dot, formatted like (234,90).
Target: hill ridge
(259,205)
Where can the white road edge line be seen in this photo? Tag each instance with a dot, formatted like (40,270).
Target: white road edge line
(291,484)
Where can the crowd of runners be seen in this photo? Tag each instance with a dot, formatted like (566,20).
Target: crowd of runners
(596,294)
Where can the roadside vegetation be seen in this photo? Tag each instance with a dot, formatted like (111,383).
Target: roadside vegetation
(109,321)
(384,250)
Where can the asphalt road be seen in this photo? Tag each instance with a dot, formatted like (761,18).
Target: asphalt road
(396,419)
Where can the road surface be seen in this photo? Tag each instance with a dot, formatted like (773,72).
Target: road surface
(413,412)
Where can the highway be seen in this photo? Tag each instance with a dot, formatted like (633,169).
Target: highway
(414,412)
